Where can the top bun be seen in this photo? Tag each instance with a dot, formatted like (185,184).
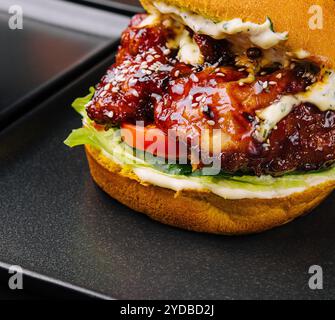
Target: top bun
(310,23)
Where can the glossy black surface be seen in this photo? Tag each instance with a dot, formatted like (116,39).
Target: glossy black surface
(57,222)
(37,60)
(128,7)
(35,286)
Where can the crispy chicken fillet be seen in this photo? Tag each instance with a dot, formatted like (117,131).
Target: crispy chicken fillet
(148,83)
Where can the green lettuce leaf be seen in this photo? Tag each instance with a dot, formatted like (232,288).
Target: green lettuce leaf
(111,144)
(82,136)
(80,103)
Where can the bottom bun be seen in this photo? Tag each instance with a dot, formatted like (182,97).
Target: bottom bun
(201,211)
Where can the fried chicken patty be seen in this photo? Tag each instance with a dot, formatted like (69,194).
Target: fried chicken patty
(148,83)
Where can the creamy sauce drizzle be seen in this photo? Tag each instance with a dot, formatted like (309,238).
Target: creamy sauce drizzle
(260,35)
(321,94)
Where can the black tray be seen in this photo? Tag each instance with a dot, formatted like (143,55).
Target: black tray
(56,222)
(128,7)
(38,60)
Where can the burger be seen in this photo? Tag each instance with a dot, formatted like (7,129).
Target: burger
(217,116)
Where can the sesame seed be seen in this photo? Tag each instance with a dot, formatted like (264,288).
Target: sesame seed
(241,69)
(107,86)
(279,75)
(241,84)
(203,99)
(177,73)
(211,122)
(198,98)
(103,93)
(150,58)
(135,93)
(194,78)
(166,51)
(132,82)
(115,89)
(220,74)
(265,84)
(272,83)
(157,56)
(258,87)
(263,73)
(152,68)
(195,104)
(109,114)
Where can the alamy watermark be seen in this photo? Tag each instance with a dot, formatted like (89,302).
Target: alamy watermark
(316,280)
(15,21)
(315,21)
(203,147)
(15,281)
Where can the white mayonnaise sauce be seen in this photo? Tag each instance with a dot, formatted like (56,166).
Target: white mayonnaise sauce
(260,35)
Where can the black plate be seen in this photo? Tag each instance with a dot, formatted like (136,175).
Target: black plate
(57,222)
(38,60)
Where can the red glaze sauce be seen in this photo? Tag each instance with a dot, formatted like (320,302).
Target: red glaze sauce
(148,83)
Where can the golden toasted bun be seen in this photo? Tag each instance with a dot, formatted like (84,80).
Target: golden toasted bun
(295,16)
(201,211)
